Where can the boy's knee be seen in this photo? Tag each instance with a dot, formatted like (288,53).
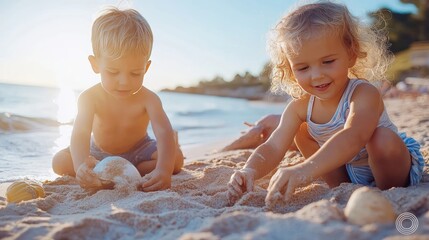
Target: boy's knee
(61,162)
(56,162)
(178,164)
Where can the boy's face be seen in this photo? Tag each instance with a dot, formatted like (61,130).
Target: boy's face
(122,77)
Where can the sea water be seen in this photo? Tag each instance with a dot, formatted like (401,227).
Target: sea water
(36,122)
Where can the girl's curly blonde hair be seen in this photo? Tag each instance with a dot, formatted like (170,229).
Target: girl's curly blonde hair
(367,44)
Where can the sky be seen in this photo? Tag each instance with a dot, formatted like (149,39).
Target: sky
(47,43)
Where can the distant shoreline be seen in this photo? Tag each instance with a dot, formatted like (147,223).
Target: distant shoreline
(251,93)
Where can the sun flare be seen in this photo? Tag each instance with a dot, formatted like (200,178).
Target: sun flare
(66,103)
(66,111)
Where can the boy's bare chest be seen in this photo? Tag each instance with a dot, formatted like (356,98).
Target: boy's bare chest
(121,117)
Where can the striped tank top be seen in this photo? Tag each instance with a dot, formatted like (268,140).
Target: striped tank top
(322,132)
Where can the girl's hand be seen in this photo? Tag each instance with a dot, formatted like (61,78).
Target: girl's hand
(283,184)
(156,180)
(241,181)
(86,177)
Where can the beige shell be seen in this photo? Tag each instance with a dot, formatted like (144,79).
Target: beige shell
(117,171)
(23,190)
(368,206)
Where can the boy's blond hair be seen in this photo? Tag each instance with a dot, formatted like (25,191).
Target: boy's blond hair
(369,46)
(117,32)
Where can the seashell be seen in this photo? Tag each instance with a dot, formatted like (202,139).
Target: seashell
(23,190)
(367,206)
(115,170)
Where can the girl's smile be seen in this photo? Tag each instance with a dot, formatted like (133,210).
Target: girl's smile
(321,66)
(322,87)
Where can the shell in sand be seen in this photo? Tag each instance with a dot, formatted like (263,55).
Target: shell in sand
(115,170)
(23,190)
(367,206)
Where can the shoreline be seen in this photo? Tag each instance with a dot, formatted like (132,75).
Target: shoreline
(249,93)
(197,151)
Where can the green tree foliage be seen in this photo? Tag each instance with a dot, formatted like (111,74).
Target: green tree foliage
(422,17)
(265,76)
(403,28)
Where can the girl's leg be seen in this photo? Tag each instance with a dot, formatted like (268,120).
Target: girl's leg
(389,159)
(308,146)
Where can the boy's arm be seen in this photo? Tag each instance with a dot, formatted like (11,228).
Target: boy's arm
(268,155)
(160,177)
(81,134)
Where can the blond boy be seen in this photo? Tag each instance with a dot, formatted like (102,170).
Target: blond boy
(113,115)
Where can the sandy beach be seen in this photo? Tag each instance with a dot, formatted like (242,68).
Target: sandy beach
(196,206)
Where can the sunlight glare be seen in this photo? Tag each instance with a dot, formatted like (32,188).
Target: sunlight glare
(66,103)
(63,139)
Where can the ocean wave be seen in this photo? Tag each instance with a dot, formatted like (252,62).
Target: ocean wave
(199,112)
(196,127)
(13,122)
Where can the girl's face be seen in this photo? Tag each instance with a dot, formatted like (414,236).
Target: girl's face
(321,66)
(122,77)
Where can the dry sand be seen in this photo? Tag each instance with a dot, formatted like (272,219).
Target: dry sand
(196,207)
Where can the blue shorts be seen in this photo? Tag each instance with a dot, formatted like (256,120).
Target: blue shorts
(140,152)
(362,174)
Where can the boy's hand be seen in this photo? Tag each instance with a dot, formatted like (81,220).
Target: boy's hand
(156,180)
(240,182)
(86,177)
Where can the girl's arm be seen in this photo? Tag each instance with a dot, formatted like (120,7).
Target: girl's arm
(366,107)
(365,110)
(268,155)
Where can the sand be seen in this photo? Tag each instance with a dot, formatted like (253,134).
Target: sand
(196,206)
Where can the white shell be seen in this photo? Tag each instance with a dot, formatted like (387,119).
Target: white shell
(367,206)
(117,170)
